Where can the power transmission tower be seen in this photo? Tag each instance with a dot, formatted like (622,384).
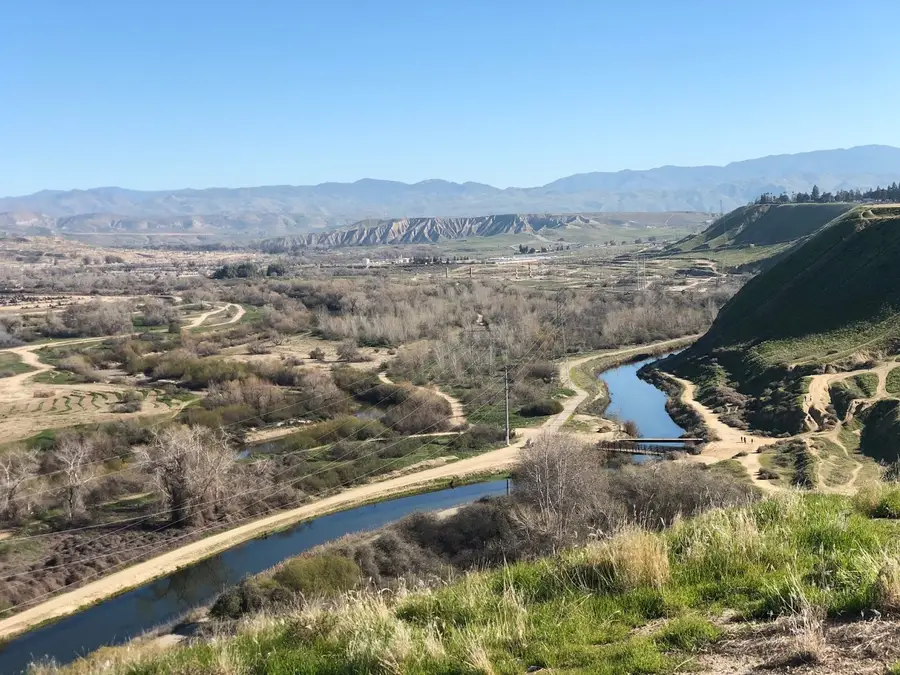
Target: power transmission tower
(506,388)
(560,321)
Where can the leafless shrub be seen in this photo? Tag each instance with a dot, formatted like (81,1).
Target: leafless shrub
(157,312)
(7,340)
(251,391)
(259,347)
(558,481)
(420,412)
(17,467)
(348,351)
(90,319)
(319,394)
(78,364)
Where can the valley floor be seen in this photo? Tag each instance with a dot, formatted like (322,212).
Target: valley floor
(492,461)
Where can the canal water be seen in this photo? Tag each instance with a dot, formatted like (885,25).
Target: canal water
(633,399)
(121,618)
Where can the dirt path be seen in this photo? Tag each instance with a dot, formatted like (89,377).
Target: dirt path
(731,441)
(819,397)
(198,320)
(117,582)
(457,416)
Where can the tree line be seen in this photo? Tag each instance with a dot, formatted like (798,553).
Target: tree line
(891,193)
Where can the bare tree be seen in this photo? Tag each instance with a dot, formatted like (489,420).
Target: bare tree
(558,482)
(348,351)
(191,466)
(17,467)
(73,456)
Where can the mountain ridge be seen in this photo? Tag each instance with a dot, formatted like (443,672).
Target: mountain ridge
(375,232)
(332,204)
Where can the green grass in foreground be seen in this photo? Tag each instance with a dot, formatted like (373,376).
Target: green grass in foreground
(12,364)
(641,602)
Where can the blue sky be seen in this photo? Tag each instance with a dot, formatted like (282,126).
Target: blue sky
(156,94)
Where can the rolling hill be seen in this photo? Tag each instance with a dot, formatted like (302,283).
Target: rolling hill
(763,225)
(835,298)
(307,208)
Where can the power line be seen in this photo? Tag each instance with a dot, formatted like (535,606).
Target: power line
(261,499)
(137,464)
(166,544)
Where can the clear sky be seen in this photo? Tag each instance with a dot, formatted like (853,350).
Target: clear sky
(156,94)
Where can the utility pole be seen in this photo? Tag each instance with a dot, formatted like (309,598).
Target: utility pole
(506,388)
(560,301)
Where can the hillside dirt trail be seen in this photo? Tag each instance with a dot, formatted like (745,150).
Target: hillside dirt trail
(165,563)
(730,441)
(819,397)
(815,406)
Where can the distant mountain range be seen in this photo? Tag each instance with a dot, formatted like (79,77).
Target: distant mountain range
(259,212)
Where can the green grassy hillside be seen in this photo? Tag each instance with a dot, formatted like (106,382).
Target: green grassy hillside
(763,225)
(835,296)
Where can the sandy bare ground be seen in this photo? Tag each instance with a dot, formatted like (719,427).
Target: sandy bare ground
(495,460)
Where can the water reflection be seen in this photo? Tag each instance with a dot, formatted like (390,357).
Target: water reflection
(633,399)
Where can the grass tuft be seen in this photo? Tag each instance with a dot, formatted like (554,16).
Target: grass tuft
(632,559)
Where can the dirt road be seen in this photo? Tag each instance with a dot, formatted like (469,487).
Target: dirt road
(200,319)
(495,460)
